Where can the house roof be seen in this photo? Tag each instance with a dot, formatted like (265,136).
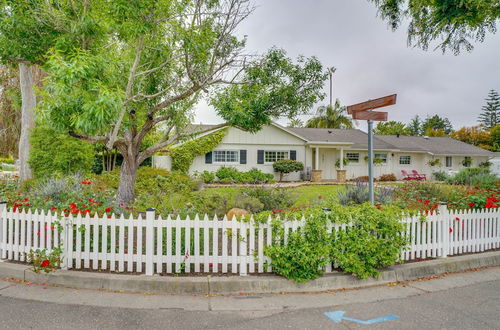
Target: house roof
(433,145)
(357,138)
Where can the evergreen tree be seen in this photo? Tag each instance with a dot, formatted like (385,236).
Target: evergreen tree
(436,123)
(490,116)
(415,126)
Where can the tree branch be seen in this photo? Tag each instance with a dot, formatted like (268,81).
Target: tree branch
(128,91)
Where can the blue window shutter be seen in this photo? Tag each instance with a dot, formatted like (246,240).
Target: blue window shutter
(293,154)
(243,156)
(208,158)
(260,156)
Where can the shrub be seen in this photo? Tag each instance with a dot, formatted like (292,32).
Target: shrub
(9,161)
(373,241)
(232,175)
(228,173)
(305,253)
(272,199)
(440,175)
(249,203)
(480,177)
(486,164)
(387,177)
(359,194)
(207,177)
(285,166)
(58,153)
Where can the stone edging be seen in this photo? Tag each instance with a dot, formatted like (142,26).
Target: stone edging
(248,284)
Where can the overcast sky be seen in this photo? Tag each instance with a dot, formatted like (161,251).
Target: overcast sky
(373,61)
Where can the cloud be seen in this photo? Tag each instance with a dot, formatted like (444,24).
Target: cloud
(373,61)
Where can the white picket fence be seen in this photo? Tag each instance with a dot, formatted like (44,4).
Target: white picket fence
(155,245)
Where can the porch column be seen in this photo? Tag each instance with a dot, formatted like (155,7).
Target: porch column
(341,158)
(316,157)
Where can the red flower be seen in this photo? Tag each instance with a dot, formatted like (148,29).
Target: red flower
(45,263)
(109,209)
(164,150)
(457,218)
(451,230)
(426,202)
(53,208)
(472,204)
(72,206)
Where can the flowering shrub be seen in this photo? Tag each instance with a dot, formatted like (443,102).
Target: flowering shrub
(45,261)
(69,195)
(426,197)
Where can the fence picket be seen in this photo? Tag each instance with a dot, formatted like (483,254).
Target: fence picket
(215,243)
(159,244)
(178,244)
(196,237)
(188,244)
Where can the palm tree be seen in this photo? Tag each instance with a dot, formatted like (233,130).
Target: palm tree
(331,117)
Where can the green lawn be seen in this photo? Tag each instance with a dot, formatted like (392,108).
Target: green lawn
(304,194)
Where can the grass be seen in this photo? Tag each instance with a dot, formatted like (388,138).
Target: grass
(305,194)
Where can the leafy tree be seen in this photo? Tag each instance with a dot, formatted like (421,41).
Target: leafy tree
(10,111)
(295,122)
(148,63)
(273,86)
(437,123)
(434,132)
(490,116)
(58,153)
(24,40)
(391,128)
(455,24)
(415,126)
(474,135)
(331,117)
(495,138)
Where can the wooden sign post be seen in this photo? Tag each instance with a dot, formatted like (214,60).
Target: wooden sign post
(364,111)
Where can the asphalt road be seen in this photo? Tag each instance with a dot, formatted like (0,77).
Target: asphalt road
(468,300)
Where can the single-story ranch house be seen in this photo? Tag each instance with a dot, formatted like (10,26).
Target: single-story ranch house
(322,151)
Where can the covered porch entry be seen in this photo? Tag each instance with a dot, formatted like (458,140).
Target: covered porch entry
(328,162)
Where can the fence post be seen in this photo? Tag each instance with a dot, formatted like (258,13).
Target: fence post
(150,217)
(444,216)
(243,246)
(3,206)
(66,244)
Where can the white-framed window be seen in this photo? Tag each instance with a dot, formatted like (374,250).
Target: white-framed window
(352,157)
(404,160)
(449,161)
(272,156)
(226,156)
(381,156)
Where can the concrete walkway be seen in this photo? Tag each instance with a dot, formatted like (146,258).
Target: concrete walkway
(464,300)
(209,285)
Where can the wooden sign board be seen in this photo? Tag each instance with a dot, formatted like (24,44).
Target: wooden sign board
(372,104)
(370,115)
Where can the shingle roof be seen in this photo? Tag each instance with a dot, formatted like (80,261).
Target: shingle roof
(434,145)
(359,139)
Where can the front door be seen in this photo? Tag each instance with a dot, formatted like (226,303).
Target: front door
(327,159)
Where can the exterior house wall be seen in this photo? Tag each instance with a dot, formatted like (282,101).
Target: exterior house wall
(272,138)
(269,138)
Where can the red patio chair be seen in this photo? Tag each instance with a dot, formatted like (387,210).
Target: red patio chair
(407,176)
(419,176)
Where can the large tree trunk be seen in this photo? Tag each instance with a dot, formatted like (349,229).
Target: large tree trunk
(28,99)
(128,174)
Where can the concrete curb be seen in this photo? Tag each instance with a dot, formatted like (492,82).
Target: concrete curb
(248,284)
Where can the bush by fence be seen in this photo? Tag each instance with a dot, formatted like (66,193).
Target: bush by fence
(152,244)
